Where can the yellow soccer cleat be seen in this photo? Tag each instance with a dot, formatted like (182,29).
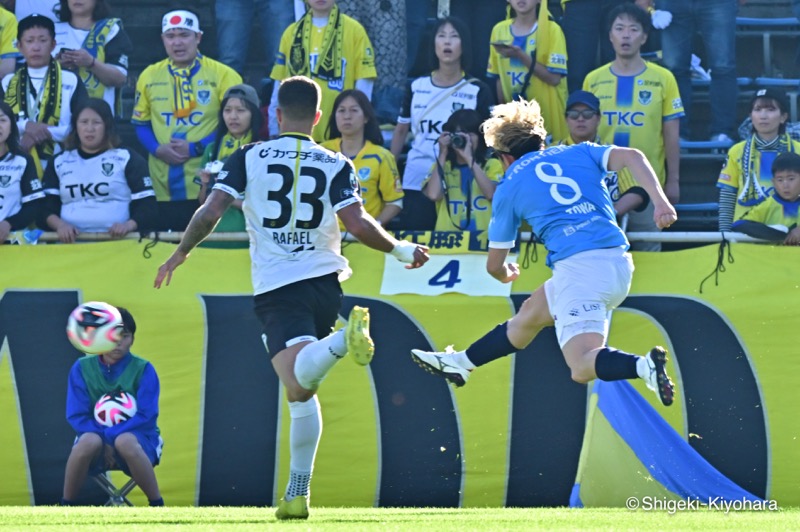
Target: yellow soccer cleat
(297,508)
(359,343)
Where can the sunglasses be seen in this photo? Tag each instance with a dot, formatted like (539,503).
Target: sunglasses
(586,114)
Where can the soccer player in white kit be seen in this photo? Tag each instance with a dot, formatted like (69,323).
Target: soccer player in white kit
(560,192)
(293,189)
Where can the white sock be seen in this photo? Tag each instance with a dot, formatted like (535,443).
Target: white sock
(305,430)
(315,360)
(643,368)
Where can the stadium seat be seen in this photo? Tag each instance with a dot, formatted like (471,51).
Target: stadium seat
(766,29)
(116,496)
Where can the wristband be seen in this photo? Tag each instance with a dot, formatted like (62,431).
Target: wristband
(93,60)
(404,251)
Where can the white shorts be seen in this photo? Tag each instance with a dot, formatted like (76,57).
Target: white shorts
(584,288)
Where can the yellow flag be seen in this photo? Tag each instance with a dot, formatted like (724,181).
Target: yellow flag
(543,38)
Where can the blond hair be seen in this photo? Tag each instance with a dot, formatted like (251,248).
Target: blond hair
(515,127)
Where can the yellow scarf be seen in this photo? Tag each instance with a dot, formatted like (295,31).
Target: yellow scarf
(95,44)
(182,90)
(228,145)
(329,62)
(48,111)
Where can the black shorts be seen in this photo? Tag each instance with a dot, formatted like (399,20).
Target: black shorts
(305,308)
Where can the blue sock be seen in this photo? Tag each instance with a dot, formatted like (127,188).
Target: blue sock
(491,346)
(157,502)
(615,365)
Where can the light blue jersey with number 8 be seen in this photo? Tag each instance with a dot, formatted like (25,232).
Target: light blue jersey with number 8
(560,192)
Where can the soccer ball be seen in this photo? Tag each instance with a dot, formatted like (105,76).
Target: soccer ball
(114,408)
(94,327)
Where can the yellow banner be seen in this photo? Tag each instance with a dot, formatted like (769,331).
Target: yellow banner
(372,418)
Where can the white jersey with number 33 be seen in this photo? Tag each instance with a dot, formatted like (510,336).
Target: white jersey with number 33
(292,189)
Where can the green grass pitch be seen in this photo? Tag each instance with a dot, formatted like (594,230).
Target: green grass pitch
(65,519)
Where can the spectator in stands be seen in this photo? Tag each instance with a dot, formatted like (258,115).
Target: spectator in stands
(8,39)
(96,185)
(134,445)
(22,191)
(463,180)
(518,47)
(354,132)
(93,44)
(330,48)
(715,20)
(746,178)
(25,8)
(583,119)
(234,24)
(776,217)
(429,102)
(239,124)
(585,29)
(41,94)
(640,108)
(176,111)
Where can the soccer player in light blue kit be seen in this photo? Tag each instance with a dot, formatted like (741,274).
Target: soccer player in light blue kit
(560,192)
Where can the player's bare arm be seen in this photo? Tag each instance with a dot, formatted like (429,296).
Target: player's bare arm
(496,265)
(364,227)
(664,213)
(200,226)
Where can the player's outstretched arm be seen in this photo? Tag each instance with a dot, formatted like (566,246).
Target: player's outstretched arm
(634,160)
(202,223)
(496,265)
(364,227)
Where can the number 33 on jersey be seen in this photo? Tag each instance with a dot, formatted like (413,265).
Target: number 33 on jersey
(292,189)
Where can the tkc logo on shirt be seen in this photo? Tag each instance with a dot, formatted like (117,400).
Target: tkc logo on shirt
(194,119)
(624,118)
(87,190)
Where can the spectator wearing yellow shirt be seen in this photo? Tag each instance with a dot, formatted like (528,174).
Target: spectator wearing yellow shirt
(330,48)
(354,131)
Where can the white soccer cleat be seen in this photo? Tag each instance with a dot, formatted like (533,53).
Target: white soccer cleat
(359,343)
(657,378)
(443,364)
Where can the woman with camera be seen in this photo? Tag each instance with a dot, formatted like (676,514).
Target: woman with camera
(462,181)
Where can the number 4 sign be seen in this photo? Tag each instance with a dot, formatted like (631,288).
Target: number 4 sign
(443,274)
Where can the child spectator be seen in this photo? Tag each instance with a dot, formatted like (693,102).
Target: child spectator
(330,48)
(354,131)
(463,180)
(776,217)
(746,177)
(528,59)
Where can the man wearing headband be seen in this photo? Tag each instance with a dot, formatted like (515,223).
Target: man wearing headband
(176,115)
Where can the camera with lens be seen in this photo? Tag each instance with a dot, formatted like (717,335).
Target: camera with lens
(458,141)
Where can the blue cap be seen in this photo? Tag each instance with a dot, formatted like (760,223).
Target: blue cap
(586,98)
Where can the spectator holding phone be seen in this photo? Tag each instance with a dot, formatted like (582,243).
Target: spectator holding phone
(93,44)
(528,59)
